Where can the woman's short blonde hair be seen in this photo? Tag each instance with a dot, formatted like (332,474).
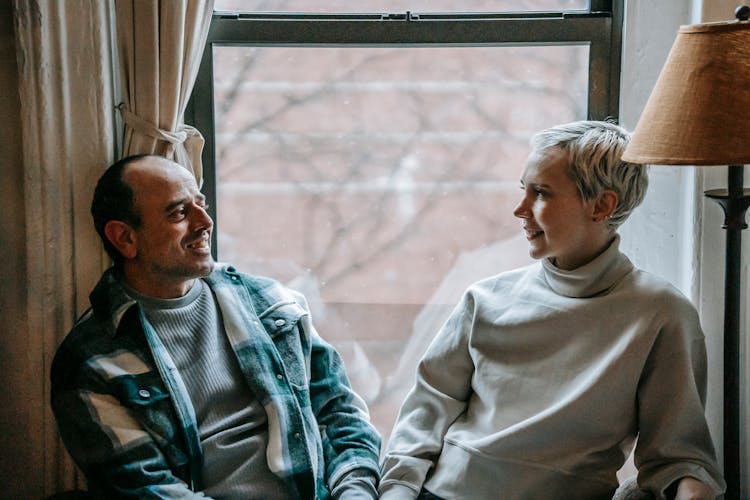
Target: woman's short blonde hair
(594,150)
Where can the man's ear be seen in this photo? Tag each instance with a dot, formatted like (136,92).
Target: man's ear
(122,237)
(605,205)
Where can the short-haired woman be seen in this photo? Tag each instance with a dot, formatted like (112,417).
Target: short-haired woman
(541,379)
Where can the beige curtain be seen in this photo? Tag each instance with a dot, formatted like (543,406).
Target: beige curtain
(56,96)
(160,44)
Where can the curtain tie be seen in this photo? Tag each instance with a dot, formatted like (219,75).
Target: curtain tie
(186,143)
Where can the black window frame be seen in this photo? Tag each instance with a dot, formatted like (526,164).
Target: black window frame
(599,27)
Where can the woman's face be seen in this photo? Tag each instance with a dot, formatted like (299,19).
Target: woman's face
(559,225)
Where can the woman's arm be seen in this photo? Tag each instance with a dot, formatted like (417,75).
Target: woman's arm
(674,440)
(440,395)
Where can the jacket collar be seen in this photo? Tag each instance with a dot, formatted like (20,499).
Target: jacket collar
(109,301)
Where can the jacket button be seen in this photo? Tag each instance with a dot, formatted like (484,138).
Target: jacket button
(279,322)
(145,394)
(278,376)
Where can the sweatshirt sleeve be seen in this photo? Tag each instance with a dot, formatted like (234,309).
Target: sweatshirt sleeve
(674,439)
(440,395)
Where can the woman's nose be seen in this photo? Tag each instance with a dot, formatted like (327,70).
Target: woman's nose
(521,211)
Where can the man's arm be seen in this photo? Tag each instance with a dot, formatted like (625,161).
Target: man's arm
(351,444)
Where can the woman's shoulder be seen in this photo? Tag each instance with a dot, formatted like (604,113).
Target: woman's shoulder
(506,282)
(510,276)
(650,288)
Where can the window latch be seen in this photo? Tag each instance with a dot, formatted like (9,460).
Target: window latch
(407,16)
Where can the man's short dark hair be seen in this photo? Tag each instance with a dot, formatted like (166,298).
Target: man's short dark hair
(113,200)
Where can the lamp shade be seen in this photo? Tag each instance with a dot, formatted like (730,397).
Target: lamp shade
(699,110)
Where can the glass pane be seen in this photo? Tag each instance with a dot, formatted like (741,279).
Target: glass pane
(380,182)
(399,5)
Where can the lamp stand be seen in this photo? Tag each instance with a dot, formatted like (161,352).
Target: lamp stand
(734,201)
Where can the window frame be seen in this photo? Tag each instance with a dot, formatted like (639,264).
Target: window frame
(599,27)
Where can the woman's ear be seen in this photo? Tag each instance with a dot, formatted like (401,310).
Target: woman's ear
(605,205)
(122,237)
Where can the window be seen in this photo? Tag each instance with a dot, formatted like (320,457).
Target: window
(371,161)
(398,5)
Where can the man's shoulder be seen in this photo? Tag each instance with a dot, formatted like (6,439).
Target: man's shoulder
(227,274)
(86,332)
(87,339)
(265,292)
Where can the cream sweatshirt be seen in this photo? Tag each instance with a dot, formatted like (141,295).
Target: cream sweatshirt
(540,380)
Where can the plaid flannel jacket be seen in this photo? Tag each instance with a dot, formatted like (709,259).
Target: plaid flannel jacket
(126,419)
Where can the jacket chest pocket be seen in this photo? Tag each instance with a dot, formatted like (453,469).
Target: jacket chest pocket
(283,325)
(140,391)
(147,399)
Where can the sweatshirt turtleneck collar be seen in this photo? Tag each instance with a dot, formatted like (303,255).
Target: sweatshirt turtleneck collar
(598,276)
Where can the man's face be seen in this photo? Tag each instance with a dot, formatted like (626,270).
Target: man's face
(172,245)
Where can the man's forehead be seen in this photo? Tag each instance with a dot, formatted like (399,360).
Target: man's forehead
(160,184)
(157,169)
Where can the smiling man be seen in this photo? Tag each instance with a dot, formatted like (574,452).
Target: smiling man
(188,378)
(166,243)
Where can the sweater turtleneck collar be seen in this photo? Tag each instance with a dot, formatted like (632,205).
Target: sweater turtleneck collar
(598,276)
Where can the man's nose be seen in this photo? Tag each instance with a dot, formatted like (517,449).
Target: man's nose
(201,219)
